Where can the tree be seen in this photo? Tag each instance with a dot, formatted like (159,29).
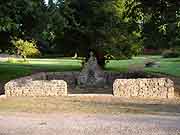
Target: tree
(21,18)
(97,25)
(71,26)
(159,21)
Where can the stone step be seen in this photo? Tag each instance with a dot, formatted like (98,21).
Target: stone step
(90,95)
(90,91)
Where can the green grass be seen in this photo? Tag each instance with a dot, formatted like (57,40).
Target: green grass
(169,66)
(8,71)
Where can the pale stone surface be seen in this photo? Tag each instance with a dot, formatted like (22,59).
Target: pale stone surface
(28,87)
(147,88)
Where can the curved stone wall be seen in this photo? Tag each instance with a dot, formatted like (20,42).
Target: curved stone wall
(146,88)
(28,86)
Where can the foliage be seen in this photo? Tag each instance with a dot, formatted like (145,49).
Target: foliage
(25,48)
(122,28)
(68,26)
(158,21)
(100,26)
(24,19)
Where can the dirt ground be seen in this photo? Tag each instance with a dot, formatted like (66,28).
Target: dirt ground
(99,115)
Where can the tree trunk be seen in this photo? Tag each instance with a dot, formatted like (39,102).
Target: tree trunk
(101,59)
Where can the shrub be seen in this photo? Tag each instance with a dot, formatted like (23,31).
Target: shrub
(25,48)
(136,49)
(170,54)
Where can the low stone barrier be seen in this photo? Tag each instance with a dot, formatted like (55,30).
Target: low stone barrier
(146,88)
(58,84)
(28,87)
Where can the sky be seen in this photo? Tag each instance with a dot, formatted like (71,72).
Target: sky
(46,1)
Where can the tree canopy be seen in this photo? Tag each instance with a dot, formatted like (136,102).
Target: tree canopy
(159,20)
(118,27)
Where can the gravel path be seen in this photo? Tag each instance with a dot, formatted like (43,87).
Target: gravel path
(83,124)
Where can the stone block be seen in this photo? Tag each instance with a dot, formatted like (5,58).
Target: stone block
(145,88)
(36,88)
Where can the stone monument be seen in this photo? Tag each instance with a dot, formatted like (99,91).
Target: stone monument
(91,75)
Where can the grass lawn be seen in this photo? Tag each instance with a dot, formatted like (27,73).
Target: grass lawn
(10,71)
(169,66)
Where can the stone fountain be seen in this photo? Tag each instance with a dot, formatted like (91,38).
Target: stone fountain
(92,79)
(91,75)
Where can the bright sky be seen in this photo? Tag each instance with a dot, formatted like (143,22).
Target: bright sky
(46,1)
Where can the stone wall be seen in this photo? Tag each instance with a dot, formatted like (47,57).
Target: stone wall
(26,86)
(59,83)
(146,88)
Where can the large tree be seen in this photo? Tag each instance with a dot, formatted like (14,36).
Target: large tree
(71,26)
(98,25)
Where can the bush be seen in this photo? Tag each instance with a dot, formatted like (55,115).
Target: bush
(25,48)
(136,49)
(170,54)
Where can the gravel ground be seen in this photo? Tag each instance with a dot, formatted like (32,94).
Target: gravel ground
(84,124)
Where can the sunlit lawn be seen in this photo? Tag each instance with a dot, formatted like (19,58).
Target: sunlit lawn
(9,71)
(12,70)
(170,66)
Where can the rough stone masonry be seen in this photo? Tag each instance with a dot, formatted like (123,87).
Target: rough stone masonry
(28,87)
(146,88)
